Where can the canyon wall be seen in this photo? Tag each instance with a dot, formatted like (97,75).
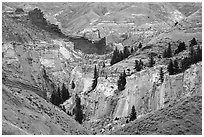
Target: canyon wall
(144,90)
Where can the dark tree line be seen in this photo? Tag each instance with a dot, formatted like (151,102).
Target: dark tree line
(119,55)
(195,55)
(59,96)
(181,47)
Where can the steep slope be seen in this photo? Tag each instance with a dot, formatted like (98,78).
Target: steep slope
(144,90)
(24,112)
(34,62)
(181,117)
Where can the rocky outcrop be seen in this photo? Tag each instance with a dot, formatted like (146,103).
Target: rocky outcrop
(144,90)
(147,93)
(29,62)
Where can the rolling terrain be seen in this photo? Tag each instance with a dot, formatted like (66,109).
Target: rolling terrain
(69,45)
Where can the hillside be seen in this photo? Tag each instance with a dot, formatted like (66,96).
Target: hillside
(180,118)
(24,112)
(88,67)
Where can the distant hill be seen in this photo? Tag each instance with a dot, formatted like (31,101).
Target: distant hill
(75,17)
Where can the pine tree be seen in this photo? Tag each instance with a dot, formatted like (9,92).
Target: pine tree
(53,99)
(133,114)
(193,42)
(138,65)
(65,93)
(95,78)
(185,63)
(122,81)
(103,65)
(78,110)
(121,56)
(164,54)
(140,45)
(69,113)
(126,52)
(192,55)
(56,98)
(59,97)
(180,48)
(151,61)
(176,67)
(141,64)
(170,67)
(115,57)
(63,108)
(198,54)
(161,75)
(124,75)
(73,85)
(169,52)
(45,76)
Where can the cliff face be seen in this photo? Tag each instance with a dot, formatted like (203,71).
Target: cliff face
(144,90)
(147,93)
(26,63)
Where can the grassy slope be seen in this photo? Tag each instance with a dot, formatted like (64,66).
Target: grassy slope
(181,117)
(24,112)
